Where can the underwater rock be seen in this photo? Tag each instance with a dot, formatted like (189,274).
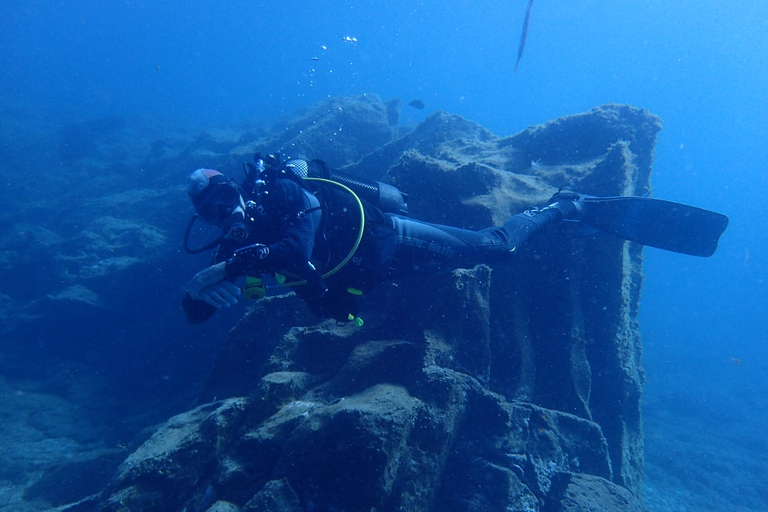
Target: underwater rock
(70,481)
(225,506)
(168,466)
(81,140)
(482,389)
(339,131)
(48,442)
(586,493)
(394,110)
(519,389)
(437,136)
(397,415)
(78,293)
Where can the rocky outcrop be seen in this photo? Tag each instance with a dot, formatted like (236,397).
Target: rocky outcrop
(513,388)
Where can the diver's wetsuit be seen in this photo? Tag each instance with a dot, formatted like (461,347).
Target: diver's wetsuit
(423,247)
(392,246)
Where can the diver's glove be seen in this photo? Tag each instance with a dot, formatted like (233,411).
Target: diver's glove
(210,285)
(220,294)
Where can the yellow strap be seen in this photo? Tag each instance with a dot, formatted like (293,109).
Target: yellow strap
(254,288)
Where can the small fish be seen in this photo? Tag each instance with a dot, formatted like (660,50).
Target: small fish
(158,68)
(736,360)
(417,104)
(524,35)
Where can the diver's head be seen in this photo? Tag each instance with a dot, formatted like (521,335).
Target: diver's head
(216,199)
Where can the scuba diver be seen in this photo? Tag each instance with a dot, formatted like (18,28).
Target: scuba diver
(331,237)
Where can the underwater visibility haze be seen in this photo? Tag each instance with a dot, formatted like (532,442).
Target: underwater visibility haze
(134,72)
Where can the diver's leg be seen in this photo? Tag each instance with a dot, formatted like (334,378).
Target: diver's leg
(425,247)
(518,229)
(496,243)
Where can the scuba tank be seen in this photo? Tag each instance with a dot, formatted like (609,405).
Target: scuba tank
(386,197)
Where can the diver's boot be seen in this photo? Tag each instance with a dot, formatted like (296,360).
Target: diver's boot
(568,204)
(519,228)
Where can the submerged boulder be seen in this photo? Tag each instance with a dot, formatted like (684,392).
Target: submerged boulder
(512,388)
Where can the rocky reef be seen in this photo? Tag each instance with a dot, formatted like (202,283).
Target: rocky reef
(509,388)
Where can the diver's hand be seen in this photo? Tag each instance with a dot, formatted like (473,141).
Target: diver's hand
(209,285)
(220,294)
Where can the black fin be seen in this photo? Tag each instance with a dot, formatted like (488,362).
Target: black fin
(663,224)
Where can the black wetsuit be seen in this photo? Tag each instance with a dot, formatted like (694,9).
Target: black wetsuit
(392,246)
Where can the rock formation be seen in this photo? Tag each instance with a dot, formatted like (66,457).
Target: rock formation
(509,388)
(512,388)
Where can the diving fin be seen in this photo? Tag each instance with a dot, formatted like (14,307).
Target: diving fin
(663,224)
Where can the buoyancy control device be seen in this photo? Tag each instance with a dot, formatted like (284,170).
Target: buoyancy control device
(387,197)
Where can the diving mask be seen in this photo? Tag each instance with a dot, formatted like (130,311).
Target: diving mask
(219,203)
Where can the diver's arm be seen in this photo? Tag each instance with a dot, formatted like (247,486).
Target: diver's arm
(292,250)
(213,287)
(293,231)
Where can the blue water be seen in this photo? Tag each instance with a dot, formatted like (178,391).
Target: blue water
(700,65)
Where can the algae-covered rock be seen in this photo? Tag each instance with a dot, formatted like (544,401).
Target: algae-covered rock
(509,388)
